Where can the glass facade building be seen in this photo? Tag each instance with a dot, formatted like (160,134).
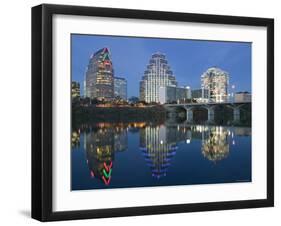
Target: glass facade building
(157,74)
(171,94)
(99,76)
(120,88)
(196,93)
(215,82)
(200,95)
(75,89)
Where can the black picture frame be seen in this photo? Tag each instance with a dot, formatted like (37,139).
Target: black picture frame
(42,108)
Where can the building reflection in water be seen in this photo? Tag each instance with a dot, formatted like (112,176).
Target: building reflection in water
(215,144)
(159,145)
(75,138)
(101,143)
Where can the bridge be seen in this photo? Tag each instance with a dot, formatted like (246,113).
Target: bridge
(210,107)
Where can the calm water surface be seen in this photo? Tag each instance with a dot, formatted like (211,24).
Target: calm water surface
(118,155)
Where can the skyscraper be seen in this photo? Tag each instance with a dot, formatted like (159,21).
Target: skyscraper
(215,82)
(157,74)
(120,88)
(99,76)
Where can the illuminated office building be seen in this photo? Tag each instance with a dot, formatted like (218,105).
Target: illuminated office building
(157,74)
(75,89)
(120,88)
(215,82)
(100,76)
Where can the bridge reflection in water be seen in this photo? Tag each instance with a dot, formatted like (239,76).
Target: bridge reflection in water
(157,143)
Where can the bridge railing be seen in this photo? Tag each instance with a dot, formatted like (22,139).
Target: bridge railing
(208,103)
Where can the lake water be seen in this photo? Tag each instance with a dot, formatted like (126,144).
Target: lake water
(120,155)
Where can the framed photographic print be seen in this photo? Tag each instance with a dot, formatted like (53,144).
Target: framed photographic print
(146,112)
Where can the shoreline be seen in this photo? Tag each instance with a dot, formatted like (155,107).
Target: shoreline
(153,114)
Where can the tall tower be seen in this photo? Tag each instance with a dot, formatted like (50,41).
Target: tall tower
(157,74)
(215,82)
(99,76)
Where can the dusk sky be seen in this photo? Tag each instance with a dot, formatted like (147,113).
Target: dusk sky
(188,59)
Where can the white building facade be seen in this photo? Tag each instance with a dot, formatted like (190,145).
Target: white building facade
(215,82)
(157,74)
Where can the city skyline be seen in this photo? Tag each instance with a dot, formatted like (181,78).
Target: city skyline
(130,57)
(185,91)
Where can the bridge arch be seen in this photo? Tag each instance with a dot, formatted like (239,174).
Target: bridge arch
(210,112)
(210,107)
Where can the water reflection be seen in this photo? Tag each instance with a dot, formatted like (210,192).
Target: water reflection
(100,145)
(215,144)
(157,143)
(75,138)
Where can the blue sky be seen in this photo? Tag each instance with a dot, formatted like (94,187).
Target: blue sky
(188,59)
